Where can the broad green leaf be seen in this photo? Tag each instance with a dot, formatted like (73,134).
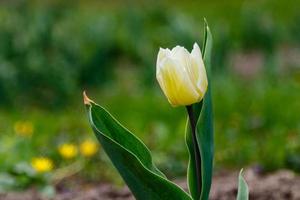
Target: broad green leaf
(243,192)
(204,128)
(131,158)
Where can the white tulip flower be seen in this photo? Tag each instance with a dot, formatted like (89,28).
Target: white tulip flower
(181,75)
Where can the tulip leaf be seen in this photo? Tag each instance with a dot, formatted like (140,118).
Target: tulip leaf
(204,132)
(131,158)
(243,192)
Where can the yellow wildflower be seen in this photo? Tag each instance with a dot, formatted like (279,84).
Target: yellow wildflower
(24,128)
(42,164)
(88,148)
(68,150)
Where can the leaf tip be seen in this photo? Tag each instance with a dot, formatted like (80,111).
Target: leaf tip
(206,26)
(86,99)
(241,171)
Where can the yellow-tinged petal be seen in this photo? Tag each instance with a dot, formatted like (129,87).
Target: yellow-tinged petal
(181,75)
(198,71)
(176,84)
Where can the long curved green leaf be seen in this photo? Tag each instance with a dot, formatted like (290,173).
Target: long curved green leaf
(131,158)
(243,192)
(204,128)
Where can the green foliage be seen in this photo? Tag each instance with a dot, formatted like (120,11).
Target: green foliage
(46,56)
(247,127)
(50,51)
(204,129)
(21,176)
(131,158)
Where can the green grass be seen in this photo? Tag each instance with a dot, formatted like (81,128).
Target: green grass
(256,119)
(255,123)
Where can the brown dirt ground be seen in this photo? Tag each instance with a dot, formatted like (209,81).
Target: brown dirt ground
(281,185)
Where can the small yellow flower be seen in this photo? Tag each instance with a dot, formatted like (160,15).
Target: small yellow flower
(88,148)
(24,128)
(181,75)
(68,150)
(42,164)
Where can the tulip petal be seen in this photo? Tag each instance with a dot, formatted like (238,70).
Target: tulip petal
(181,75)
(197,70)
(175,83)
(162,54)
(181,55)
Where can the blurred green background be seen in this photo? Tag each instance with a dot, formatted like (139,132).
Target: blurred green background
(50,51)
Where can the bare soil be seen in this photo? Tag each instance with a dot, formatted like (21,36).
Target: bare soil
(281,185)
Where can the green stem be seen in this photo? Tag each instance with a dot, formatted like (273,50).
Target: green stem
(197,155)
